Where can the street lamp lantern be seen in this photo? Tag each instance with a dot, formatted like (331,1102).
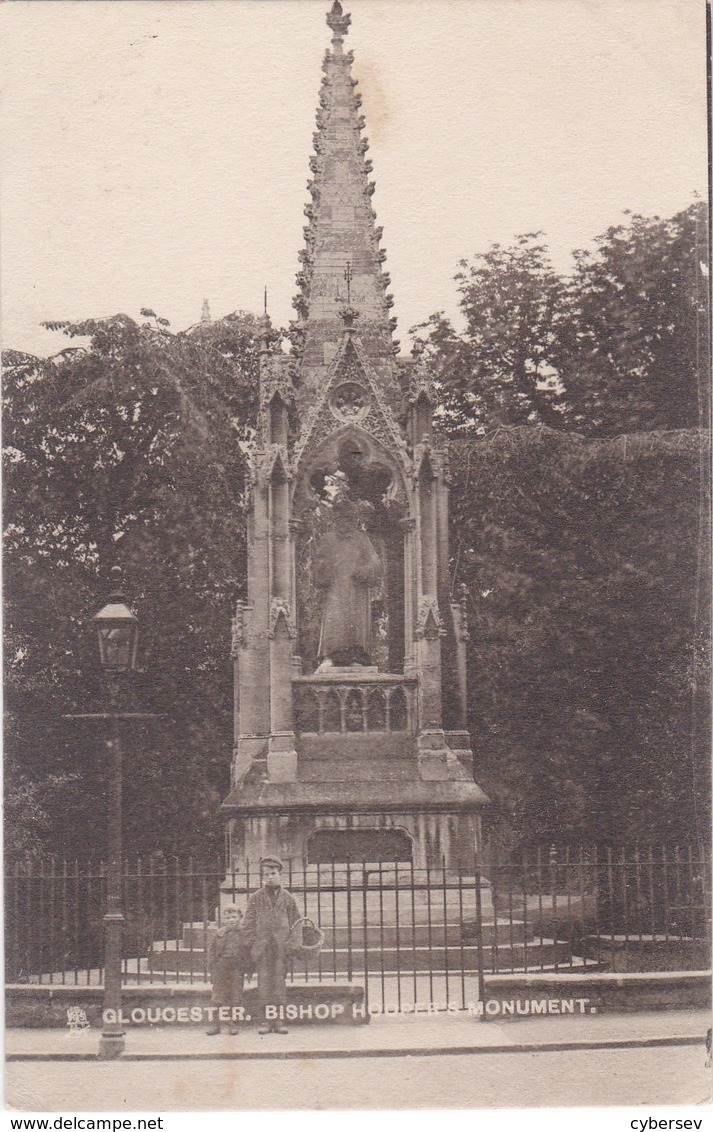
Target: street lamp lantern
(118,632)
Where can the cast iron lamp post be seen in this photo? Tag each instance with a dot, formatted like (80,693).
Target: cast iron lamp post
(118,635)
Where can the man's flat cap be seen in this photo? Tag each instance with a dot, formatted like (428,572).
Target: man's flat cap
(274,862)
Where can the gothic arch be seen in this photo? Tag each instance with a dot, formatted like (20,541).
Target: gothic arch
(353,461)
(278,418)
(328,456)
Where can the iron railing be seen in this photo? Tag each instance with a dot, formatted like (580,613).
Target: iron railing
(410,937)
(623,908)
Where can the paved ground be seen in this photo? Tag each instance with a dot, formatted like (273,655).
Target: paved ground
(643,1076)
(381,1037)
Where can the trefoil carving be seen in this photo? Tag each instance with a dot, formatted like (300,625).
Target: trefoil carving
(350,402)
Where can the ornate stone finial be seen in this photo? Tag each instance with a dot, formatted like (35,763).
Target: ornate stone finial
(264,327)
(339,22)
(348,315)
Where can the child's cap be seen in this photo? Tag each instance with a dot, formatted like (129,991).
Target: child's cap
(272,862)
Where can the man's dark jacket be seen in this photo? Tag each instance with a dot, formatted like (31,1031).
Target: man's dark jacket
(268,921)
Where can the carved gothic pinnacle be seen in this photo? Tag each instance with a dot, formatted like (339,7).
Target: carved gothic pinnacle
(338,21)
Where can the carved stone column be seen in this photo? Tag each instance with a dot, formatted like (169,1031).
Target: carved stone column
(252,666)
(282,756)
(432,755)
(408,526)
(296,527)
(459,615)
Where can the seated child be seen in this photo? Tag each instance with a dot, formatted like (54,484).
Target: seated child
(225,964)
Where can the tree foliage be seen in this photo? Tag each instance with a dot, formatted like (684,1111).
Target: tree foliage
(588,653)
(502,368)
(621,345)
(640,335)
(124,449)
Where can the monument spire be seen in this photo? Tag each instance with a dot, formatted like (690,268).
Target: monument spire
(342,258)
(351,694)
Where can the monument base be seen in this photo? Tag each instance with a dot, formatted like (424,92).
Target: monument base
(425,838)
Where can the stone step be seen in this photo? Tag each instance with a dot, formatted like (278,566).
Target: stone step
(199,936)
(376,749)
(356,769)
(651,952)
(333,906)
(325,975)
(407,922)
(424,959)
(550,904)
(503,957)
(389,880)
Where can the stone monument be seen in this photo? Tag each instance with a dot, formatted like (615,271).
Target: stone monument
(350,685)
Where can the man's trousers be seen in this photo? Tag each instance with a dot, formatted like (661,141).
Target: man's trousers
(271,974)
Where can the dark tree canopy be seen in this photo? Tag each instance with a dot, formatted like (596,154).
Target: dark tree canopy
(640,339)
(589,645)
(125,449)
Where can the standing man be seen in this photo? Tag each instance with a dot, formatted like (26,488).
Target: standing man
(270,913)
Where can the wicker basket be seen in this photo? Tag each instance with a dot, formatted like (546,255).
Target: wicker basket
(306,939)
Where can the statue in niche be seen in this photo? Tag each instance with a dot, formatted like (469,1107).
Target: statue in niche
(346,567)
(350,467)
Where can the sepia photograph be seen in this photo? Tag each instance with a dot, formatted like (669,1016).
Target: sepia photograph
(356,563)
